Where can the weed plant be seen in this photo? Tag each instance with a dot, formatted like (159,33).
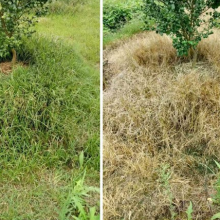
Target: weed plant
(75,203)
(217,188)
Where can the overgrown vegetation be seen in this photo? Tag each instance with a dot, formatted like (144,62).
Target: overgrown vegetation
(161,129)
(187,22)
(16,21)
(216,200)
(49,127)
(79,27)
(121,18)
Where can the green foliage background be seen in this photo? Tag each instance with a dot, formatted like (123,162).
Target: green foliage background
(184,21)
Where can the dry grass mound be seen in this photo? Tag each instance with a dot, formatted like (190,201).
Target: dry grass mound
(161,130)
(6,67)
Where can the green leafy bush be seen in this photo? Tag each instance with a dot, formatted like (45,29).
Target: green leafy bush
(186,21)
(116,15)
(16,19)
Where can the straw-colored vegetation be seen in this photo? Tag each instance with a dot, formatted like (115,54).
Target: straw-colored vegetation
(161,129)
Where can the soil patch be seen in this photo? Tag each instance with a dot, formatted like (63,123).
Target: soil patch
(7,67)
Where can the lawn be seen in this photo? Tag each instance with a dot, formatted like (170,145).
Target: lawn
(49,121)
(79,28)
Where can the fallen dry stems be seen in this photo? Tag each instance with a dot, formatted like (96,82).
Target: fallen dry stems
(158,111)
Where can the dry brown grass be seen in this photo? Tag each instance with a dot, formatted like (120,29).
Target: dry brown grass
(159,111)
(7,67)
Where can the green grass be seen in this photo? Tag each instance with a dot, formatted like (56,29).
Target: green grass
(129,29)
(80,29)
(49,125)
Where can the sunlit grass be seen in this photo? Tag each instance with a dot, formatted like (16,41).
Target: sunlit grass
(81,29)
(131,28)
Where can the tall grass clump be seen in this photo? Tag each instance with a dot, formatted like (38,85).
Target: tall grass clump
(46,107)
(74,26)
(49,127)
(129,29)
(49,119)
(65,6)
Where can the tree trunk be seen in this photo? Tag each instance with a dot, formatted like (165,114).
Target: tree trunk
(14,58)
(193,55)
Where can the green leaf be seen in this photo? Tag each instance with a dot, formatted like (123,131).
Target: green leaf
(216,216)
(189,211)
(181,20)
(92,215)
(217,164)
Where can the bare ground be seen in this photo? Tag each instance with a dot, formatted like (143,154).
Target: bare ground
(7,67)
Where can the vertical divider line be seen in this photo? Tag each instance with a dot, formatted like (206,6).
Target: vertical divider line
(101,109)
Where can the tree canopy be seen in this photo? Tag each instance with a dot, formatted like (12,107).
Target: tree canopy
(186,21)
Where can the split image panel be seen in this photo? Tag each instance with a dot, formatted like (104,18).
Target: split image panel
(161,110)
(49,110)
(143,145)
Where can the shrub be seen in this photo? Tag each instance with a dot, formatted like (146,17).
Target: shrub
(186,21)
(16,19)
(114,17)
(117,15)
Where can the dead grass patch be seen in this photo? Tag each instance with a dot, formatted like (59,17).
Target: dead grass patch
(7,67)
(159,111)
